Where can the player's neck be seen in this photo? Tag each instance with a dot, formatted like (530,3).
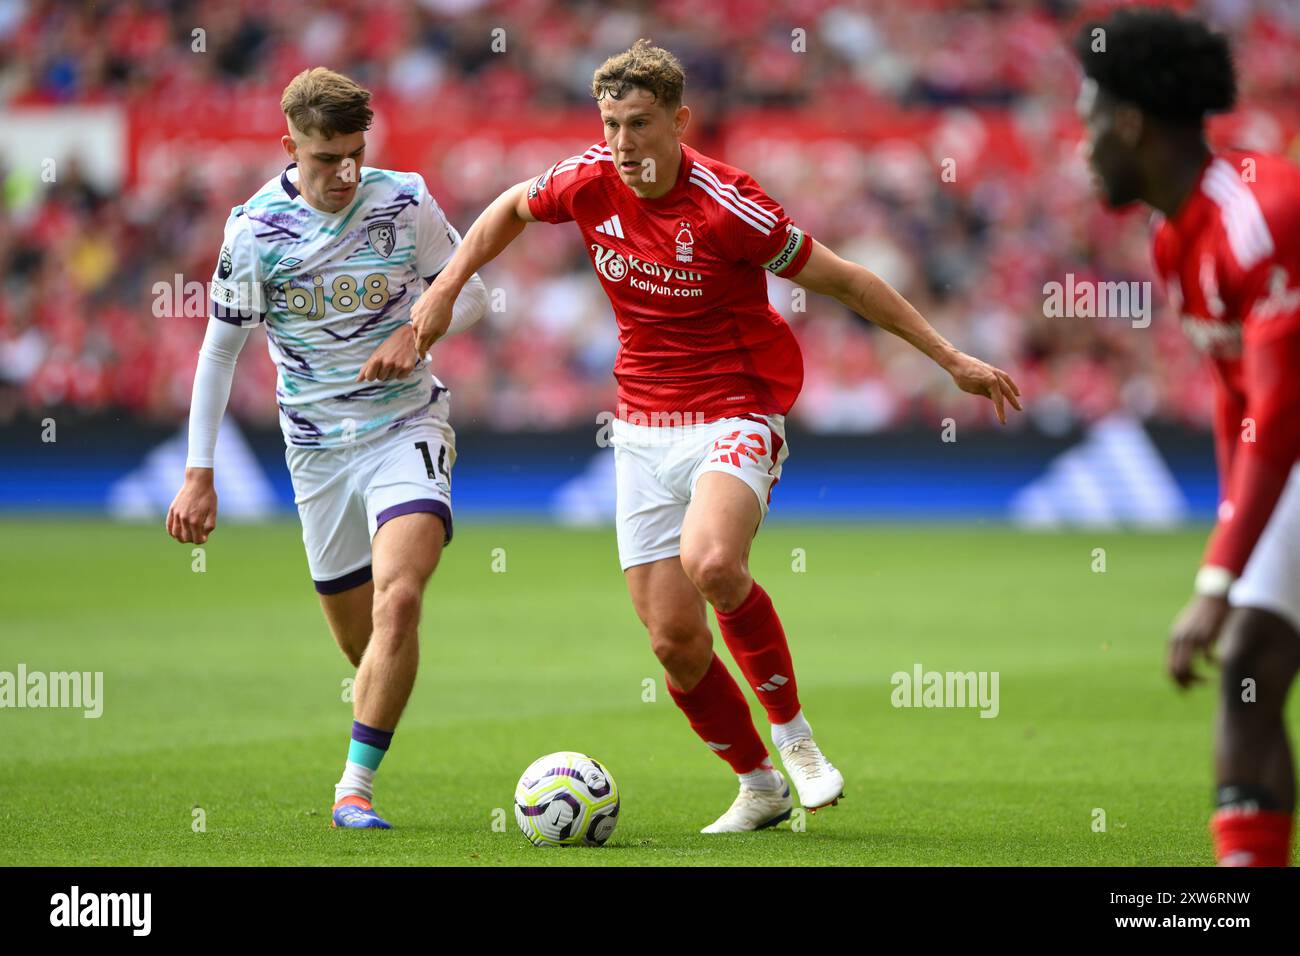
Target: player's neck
(664,183)
(1179,172)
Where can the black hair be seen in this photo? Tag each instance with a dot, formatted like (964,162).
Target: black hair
(1174,68)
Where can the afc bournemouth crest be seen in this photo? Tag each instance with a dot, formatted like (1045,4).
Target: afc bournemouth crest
(685,242)
(383,237)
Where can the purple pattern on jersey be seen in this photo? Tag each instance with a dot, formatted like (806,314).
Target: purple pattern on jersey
(414,416)
(365,391)
(298,357)
(306,426)
(392,209)
(290,189)
(371,321)
(276,222)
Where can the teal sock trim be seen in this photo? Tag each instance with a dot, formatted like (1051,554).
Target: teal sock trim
(364,754)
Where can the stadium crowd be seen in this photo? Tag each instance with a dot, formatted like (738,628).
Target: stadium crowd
(80,265)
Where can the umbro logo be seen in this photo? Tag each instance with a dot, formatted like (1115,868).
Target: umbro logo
(775,682)
(612,227)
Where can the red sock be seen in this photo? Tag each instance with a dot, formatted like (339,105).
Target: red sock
(754,634)
(1251,837)
(719,714)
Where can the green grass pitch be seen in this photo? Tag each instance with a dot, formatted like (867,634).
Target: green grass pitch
(224,691)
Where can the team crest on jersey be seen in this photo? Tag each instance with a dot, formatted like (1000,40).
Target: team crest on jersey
(685,242)
(383,237)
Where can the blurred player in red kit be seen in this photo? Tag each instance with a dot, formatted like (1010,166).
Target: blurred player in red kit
(706,371)
(1227,250)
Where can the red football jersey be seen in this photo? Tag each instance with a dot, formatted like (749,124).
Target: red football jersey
(686,273)
(1230,260)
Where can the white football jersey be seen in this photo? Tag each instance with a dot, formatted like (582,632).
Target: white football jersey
(330,287)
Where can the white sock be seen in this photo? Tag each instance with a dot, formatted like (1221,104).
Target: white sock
(788,733)
(357,780)
(762,778)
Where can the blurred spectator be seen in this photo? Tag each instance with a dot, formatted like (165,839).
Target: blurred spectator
(80,271)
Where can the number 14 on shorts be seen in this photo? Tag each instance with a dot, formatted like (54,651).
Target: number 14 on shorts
(441,469)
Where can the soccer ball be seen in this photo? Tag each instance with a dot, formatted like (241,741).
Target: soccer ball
(565,799)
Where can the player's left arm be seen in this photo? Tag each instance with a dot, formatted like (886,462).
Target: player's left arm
(871,297)
(436,241)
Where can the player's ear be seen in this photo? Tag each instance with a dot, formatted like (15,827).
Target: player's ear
(1128,124)
(681,119)
(290,146)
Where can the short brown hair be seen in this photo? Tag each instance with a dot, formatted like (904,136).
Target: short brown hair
(320,100)
(645,67)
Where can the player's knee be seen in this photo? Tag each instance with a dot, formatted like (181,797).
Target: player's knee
(680,646)
(719,576)
(397,607)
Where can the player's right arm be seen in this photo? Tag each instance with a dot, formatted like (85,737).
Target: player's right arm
(193,512)
(237,305)
(498,226)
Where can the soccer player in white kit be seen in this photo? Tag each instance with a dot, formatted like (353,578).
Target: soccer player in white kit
(329,256)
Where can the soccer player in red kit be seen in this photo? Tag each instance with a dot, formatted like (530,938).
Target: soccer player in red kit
(706,373)
(1227,248)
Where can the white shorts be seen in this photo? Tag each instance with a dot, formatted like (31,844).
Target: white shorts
(1271,579)
(345,494)
(656,468)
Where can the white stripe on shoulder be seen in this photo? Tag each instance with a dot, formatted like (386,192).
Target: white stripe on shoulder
(729,189)
(727,204)
(1243,220)
(594,155)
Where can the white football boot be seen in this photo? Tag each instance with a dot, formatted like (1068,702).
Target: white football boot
(818,782)
(755,810)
